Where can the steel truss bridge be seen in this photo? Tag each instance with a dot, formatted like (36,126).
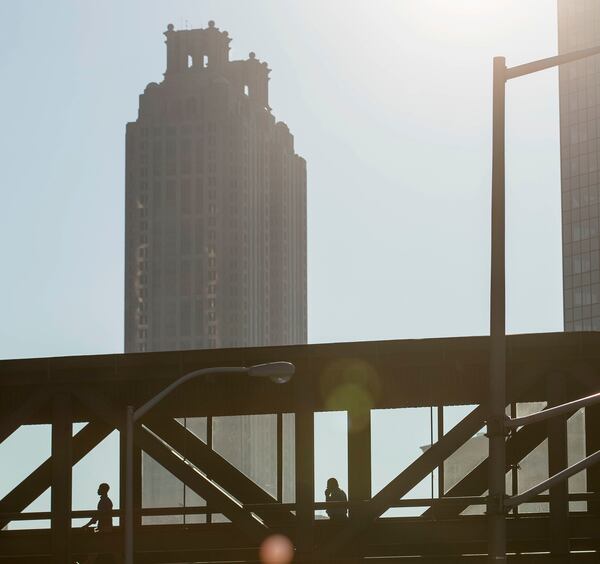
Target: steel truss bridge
(552,368)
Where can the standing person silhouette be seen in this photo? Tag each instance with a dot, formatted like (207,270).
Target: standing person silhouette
(334,493)
(103,515)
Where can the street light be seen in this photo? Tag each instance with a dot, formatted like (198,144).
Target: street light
(277,372)
(496,428)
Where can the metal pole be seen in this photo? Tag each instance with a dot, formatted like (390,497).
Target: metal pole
(497,382)
(565,408)
(440,434)
(129,487)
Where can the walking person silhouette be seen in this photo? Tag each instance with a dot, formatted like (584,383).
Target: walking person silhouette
(103,518)
(103,515)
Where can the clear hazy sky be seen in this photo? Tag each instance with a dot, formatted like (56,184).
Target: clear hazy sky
(390,104)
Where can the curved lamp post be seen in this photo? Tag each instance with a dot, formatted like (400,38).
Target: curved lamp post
(278,372)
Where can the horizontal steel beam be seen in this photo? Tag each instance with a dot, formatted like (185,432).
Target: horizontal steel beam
(12,420)
(398,374)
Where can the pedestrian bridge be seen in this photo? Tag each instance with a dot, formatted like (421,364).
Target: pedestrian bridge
(439,373)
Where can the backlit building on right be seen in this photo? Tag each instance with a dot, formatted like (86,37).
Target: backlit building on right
(579,83)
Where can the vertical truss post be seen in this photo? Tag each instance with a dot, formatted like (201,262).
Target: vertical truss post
(359,455)
(557,461)
(359,467)
(497,380)
(280,457)
(305,481)
(62,460)
(592,445)
(129,479)
(137,480)
(209,444)
(440,434)
(122,476)
(514,469)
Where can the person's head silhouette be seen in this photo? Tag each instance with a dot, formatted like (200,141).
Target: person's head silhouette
(332,484)
(103,488)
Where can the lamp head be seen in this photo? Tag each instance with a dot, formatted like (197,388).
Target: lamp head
(278,372)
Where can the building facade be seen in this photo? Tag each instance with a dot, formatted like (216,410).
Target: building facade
(215,246)
(579,84)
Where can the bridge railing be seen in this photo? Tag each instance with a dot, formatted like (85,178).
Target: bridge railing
(322,505)
(559,477)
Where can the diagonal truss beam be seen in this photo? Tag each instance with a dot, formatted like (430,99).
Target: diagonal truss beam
(191,477)
(220,470)
(166,456)
(41,478)
(10,422)
(519,445)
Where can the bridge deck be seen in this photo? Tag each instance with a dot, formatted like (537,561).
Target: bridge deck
(387,540)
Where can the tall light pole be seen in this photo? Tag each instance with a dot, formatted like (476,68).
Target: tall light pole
(496,428)
(497,380)
(278,372)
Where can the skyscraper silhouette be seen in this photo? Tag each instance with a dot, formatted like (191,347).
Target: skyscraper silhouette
(215,249)
(215,246)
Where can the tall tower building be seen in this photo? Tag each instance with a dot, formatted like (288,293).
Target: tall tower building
(215,245)
(215,251)
(579,83)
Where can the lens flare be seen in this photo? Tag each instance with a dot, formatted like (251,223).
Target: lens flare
(351,384)
(276,549)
